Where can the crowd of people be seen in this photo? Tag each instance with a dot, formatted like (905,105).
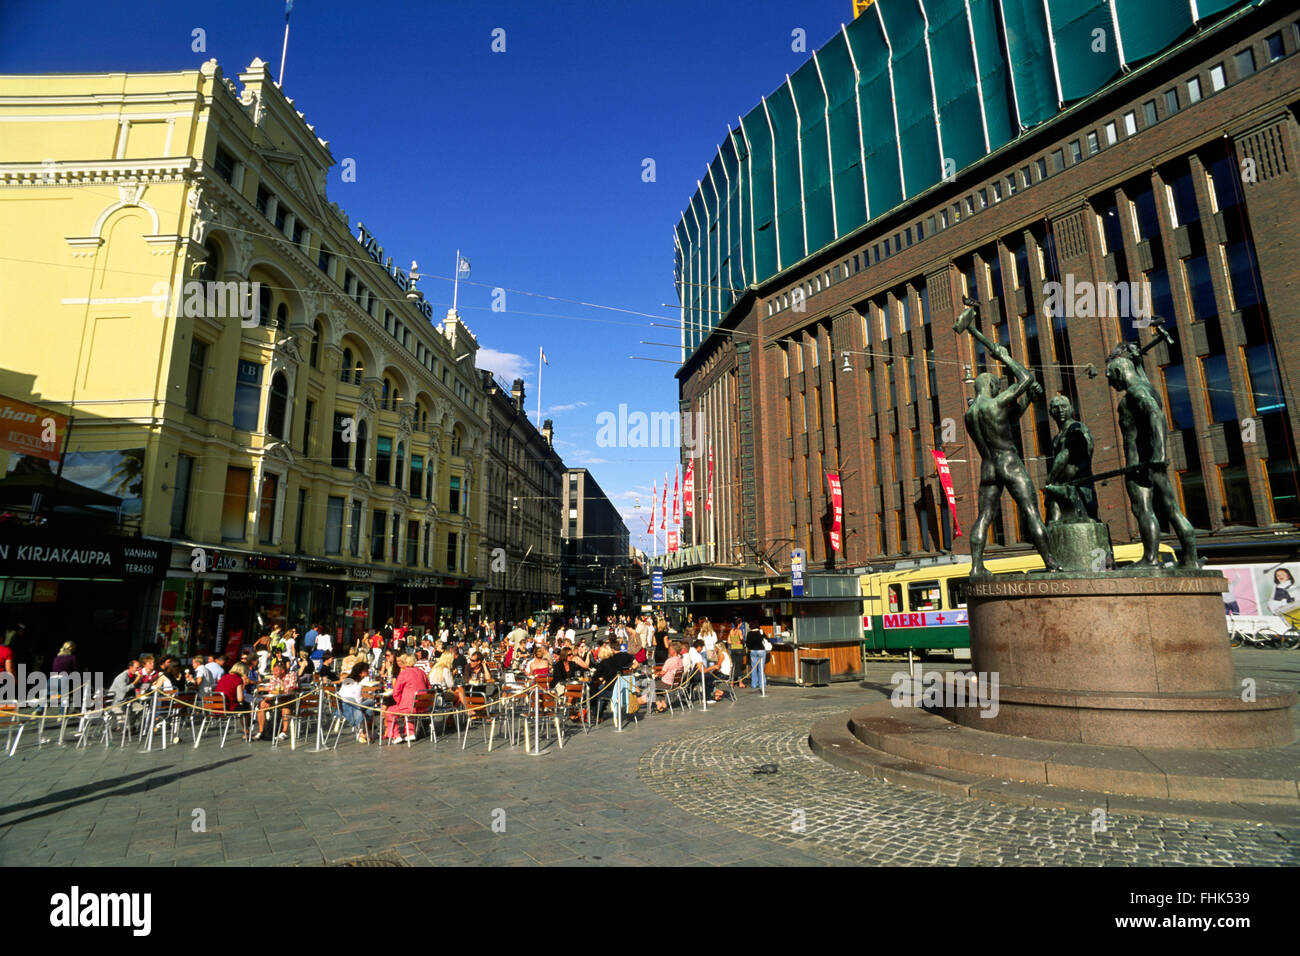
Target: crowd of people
(462,666)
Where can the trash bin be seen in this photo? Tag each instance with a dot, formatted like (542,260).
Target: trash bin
(815,671)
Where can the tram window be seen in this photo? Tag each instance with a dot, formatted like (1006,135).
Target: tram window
(895,598)
(957,591)
(923,596)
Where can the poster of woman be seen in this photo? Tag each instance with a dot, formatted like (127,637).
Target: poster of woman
(1240,598)
(1278,588)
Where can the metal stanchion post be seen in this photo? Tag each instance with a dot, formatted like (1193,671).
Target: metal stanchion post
(617,699)
(320,717)
(704,692)
(153,720)
(537,728)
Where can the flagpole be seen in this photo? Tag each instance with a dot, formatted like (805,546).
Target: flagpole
(284,50)
(455,281)
(540,356)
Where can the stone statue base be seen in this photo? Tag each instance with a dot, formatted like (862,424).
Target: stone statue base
(1133,658)
(1081,545)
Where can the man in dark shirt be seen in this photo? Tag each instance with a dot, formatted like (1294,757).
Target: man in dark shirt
(603,674)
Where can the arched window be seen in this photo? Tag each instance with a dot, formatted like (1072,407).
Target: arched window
(211,269)
(358,372)
(345,373)
(385,398)
(277,408)
(282,316)
(317,333)
(361,448)
(455,441)
(399,472)
(264,306)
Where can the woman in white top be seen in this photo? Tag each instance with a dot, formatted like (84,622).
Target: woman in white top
(350,698)
(440,674)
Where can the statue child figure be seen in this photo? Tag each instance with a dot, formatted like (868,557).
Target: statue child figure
(1142,423)
(989,421)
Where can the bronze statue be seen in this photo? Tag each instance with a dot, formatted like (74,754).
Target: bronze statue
(1146,479)
(1069,491)
(990,420)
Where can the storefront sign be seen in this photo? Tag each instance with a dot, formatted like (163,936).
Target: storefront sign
(359,574)
(31,429)
(30,553)
(796,572)
(657,584)
(271,564)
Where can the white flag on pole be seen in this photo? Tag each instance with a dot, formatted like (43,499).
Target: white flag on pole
(462,268)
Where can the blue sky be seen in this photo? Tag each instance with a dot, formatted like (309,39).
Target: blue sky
(529,161)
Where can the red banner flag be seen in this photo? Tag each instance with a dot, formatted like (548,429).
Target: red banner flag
(688,487)
(677,502)
(654,497)
(663,511)
(945,479)
(672,540)
(837,510)
(708,500)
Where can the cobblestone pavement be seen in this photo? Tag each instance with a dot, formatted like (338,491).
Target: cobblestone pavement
(811,805)
(671,791)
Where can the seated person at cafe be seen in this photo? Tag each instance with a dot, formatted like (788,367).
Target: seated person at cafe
(283,682)
(410,682)
(350,699)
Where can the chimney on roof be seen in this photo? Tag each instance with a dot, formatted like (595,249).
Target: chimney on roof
(548,430)
(517,391)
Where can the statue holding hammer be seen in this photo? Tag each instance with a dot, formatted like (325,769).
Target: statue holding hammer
(1142,423)
(989,422)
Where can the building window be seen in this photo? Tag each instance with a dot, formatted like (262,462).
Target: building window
(1025,179)
(1194,89)
(451,550)
(1058,160)
(333,526)
(316,334)
(181,494)
(399,470)
(302,513)
(281,216)
(361,449)
(224,164)
(266,509)
(416,487)
(194,384)
(1171,102)
(1275,51)
(234,504)
(1076,152)
(339,447)
(282,316)
(412,542)
(264,303)
(453,495)
(248,395)
(1149,112)
(1218,79)
(1245,63)
(263,199)
(277,407)
(308,414)
(323,259)
(1094,144)
(1130,123)
(378,525)
(1112,135)
(354,542)
(1042,169)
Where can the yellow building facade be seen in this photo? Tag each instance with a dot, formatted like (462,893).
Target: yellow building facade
(278,407)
